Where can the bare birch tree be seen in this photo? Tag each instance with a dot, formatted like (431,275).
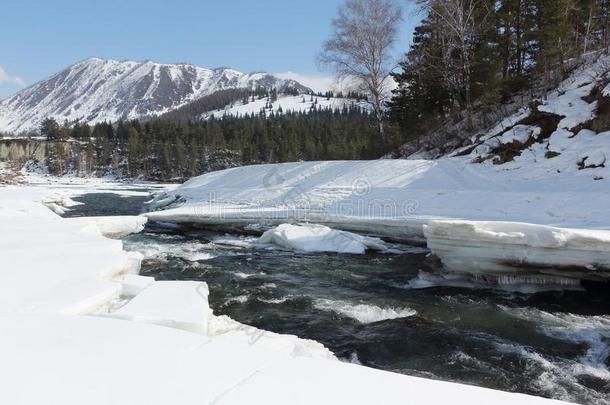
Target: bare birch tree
(363,36)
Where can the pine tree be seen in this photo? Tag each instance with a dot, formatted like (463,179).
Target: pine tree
(554,37)
(52,130)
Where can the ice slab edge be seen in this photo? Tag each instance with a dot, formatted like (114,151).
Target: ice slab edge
(505,248)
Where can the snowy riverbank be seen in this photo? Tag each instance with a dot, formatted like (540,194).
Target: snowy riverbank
(80,326)
(545,219)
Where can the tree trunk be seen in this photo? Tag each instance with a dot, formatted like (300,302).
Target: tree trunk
(519,43)
(507,42)
(378,107)
(588,30)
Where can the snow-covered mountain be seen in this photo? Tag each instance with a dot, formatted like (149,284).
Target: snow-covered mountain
(106,90)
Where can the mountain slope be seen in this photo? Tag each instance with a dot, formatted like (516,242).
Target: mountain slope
(566,130)
(97,90)
(240,103)
(287,103)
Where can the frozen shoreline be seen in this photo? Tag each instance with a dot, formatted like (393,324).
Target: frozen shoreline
(75,332)
(538,225)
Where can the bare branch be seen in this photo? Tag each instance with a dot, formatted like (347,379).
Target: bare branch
(363,35)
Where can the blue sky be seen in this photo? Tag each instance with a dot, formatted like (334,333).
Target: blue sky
(41,37)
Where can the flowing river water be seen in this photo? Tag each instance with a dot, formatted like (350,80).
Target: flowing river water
(371,309)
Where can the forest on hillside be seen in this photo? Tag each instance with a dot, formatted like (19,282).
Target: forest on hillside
(471,61)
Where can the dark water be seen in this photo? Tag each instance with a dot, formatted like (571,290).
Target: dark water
(107,204)
(552,344)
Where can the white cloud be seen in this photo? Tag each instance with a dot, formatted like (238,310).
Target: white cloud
(6,78)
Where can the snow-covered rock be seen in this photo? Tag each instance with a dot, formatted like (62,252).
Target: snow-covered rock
(569,103)
(519,133)
(319,238)
(564,147)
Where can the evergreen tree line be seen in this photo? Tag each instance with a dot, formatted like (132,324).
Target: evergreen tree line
(472,53)
(216,101)
(162,149)
(194,110)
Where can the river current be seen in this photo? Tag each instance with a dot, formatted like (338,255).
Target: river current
(373,309)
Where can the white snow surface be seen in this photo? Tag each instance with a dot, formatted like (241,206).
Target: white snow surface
(99,361)
(42,254)
(540,210)
(80,326)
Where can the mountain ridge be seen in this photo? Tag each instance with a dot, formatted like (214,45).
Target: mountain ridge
(97,89)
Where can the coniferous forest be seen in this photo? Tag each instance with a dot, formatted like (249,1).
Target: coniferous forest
(472,61)
(163,149)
